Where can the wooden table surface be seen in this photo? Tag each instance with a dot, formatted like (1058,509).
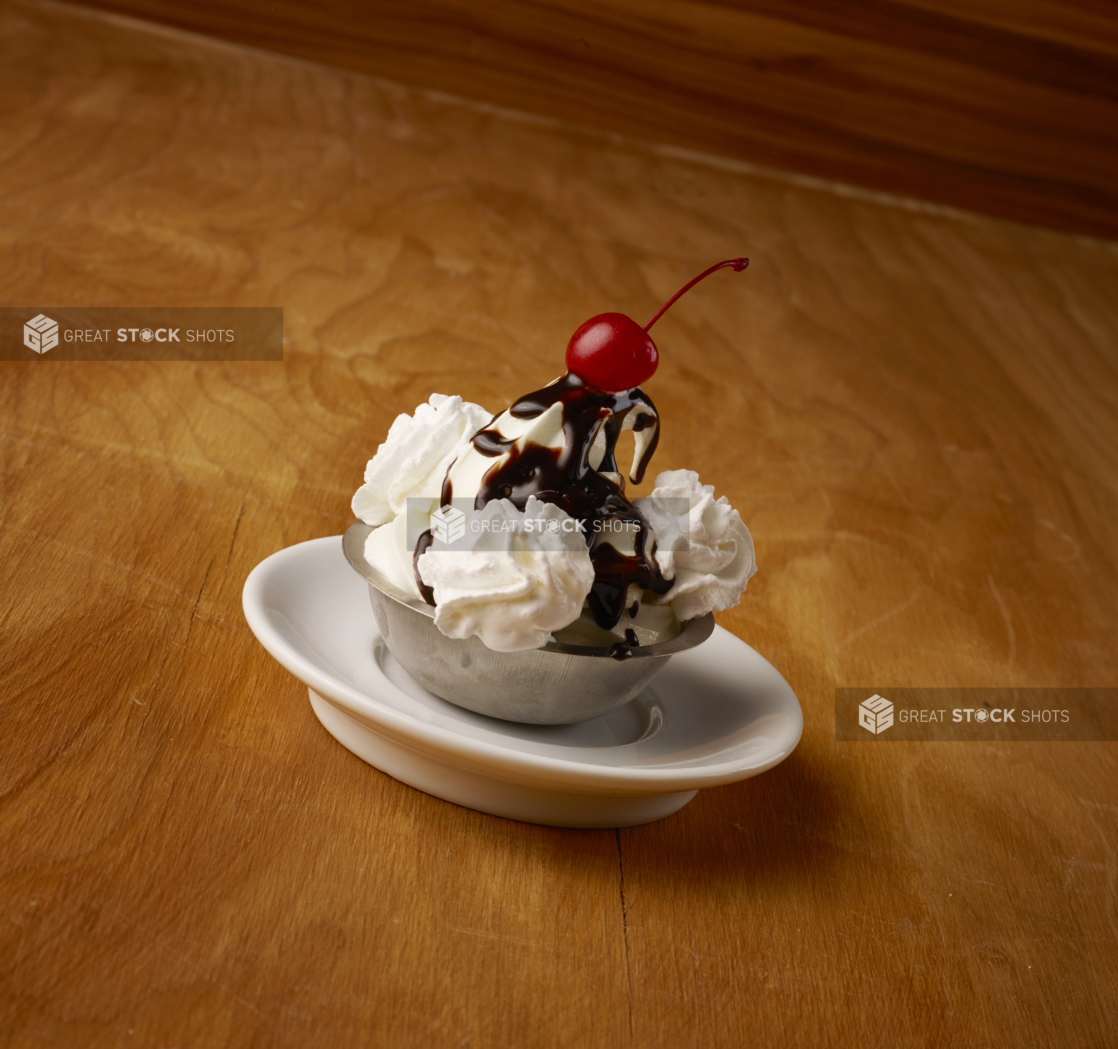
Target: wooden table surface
(914,410)
(1008,107)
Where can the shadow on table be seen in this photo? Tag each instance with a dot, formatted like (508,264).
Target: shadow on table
(792,825)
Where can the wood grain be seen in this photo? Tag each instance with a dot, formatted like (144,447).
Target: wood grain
(1007,109)
(915,411)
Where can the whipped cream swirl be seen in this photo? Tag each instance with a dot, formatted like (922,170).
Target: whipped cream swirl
(413,460)
(707,552)
(514,596)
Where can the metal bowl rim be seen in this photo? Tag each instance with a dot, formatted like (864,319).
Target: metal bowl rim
(692,632)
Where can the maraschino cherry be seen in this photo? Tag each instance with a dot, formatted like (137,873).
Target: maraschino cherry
(613,352)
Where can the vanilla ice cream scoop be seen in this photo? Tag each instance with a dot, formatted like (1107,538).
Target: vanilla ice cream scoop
(533,423)
(558,446)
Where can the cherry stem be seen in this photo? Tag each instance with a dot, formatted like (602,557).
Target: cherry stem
(737,265)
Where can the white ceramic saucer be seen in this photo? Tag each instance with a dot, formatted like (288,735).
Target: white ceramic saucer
(716,714)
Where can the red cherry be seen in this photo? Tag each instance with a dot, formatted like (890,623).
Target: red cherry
(613,352)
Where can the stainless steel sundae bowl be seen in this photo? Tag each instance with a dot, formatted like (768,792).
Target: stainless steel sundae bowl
(554,685)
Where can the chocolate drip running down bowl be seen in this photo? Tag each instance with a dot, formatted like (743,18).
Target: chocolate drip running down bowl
(555,685)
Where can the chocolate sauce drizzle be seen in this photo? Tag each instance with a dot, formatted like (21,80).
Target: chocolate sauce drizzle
(424,541)
(565,477)
(624,649)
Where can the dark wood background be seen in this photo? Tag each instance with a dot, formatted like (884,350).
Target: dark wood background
(1005,108)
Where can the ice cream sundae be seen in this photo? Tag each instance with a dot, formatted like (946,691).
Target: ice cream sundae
(516,528)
